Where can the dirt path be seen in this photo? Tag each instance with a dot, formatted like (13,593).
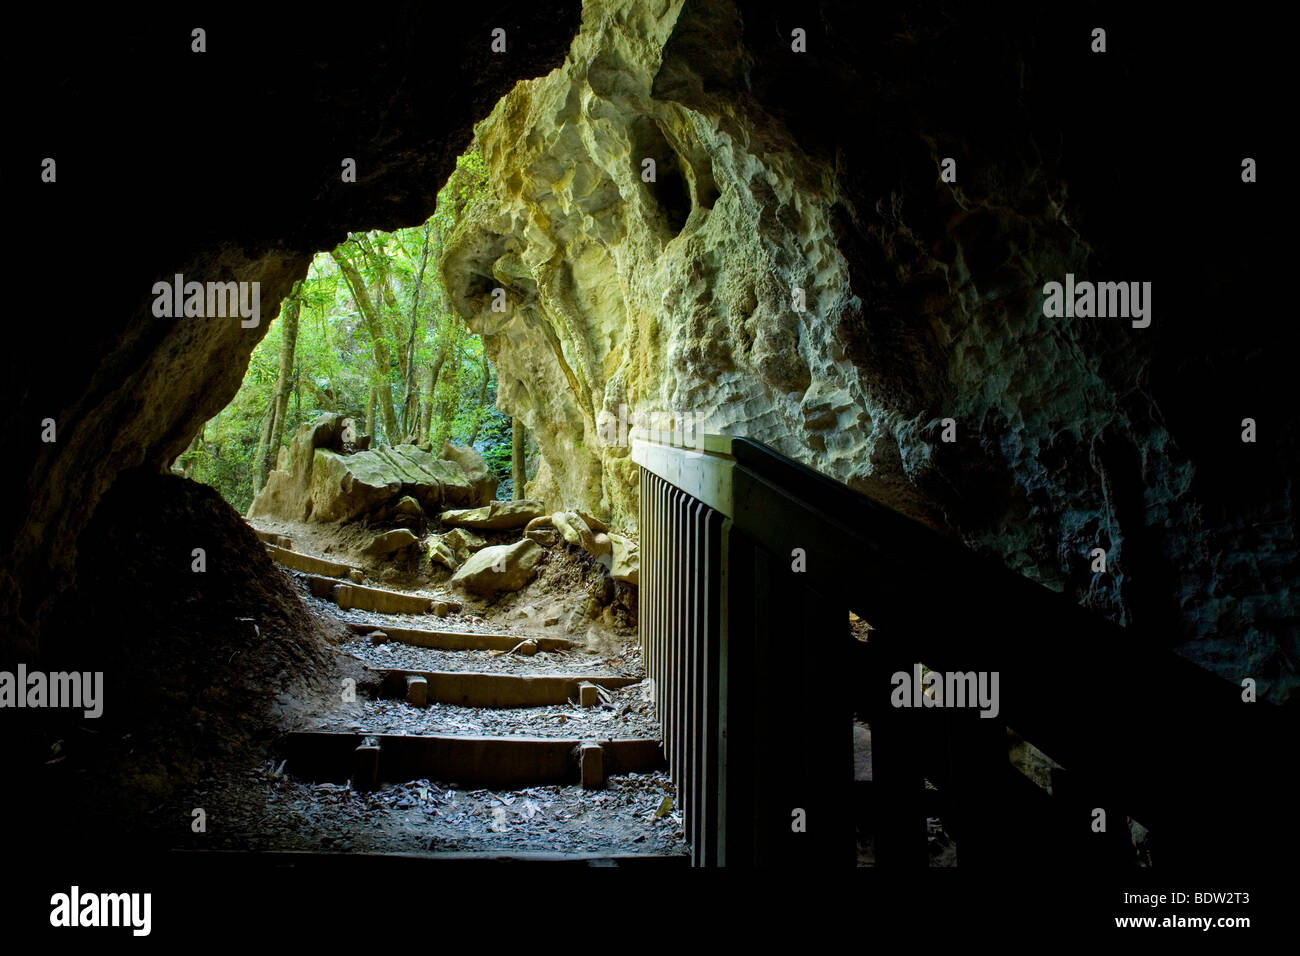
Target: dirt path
(270,807)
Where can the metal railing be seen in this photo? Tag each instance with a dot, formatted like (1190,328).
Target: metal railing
(750,565)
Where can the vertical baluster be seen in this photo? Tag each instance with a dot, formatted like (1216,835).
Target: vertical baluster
(661,596)
(708,715)
(643,519)
(678,580)
(686,666)
(699,583)
(662,687)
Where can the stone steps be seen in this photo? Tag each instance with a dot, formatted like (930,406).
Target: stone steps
(455,641)
(310,564)
(496,762)
(363,598)
(475,689)
(270,537)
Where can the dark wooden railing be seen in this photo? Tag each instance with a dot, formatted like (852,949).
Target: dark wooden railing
(751,564)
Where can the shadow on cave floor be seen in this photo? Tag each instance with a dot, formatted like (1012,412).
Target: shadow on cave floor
(213,676)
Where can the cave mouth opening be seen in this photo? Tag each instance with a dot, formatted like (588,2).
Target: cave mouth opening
(365,453)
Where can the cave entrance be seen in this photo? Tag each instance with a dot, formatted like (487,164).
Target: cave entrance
(490,696)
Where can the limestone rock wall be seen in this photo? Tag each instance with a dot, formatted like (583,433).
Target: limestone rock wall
(921,299)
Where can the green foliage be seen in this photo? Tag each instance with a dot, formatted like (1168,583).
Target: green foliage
(494,443)
(334,362)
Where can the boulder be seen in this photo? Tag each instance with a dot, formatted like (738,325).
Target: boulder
(502,567)
(409,506)
(481,479)
(287,491)
(463,542)
(574,529)
(441,607)
(317,478)
(439,553)
(391,541)
(627,559)
(495,516)
(595,524)
(546,537)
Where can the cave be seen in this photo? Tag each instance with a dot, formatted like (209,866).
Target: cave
(897,459)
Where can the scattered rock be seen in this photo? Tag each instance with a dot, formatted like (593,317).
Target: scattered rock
(378,637)
(595,524)
(627,559)
(542,521)
(439,553)
(391,541)
(441,607)
(409,506)
(546,537)
(502,567)
(463,542)
(496,516)
(575,530)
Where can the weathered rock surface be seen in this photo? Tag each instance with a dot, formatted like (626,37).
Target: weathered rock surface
(410,507)
(574,530)
(440,553)
(481,479)
(806,279)
(463,542)
(390,542)
(313,482)
(497,516)
(502,567)
(627,559)
(453,548)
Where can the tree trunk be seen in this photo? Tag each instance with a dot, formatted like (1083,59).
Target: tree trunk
(268,444)
(518,471)
(283,384)
(411,400)
(449,338)
(370,410)
(378,340)
(447,411)
(263,443)
(482,398)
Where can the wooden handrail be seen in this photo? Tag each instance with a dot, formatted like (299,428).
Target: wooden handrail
(1128,719)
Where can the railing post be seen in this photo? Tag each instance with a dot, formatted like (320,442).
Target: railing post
(736,697)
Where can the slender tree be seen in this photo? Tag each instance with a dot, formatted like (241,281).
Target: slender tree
(481,408)
(518,471)
(411,400)
(272,435)
(378,339)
